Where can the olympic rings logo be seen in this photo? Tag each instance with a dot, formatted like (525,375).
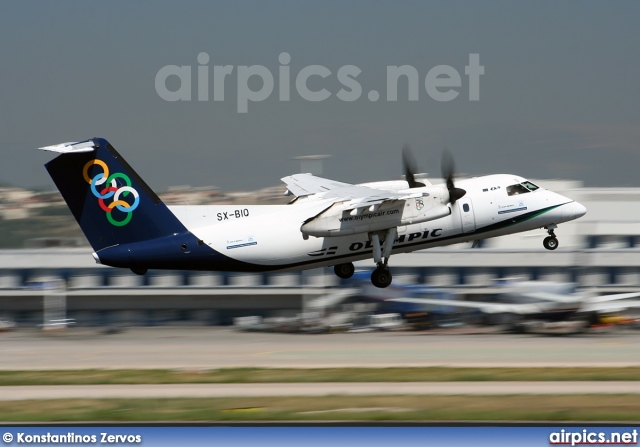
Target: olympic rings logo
(111,191)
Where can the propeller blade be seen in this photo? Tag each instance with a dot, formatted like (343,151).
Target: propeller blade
(448,167)
(410,167)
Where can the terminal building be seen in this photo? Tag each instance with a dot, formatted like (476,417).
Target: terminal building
(600,251)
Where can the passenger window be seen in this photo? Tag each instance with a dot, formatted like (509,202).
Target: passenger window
(465,207)
(514,190)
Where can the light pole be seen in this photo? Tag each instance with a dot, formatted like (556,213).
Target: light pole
(312,164)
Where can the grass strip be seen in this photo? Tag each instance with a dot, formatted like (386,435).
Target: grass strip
(277,375)
(584,408)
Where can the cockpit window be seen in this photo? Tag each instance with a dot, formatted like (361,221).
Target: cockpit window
(516,189)
(521,188)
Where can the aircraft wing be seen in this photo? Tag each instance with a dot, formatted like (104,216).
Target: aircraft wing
(583,302)
(611,306)
(489,308)
(615,297)
(551,297)
(356,196)
(546,296)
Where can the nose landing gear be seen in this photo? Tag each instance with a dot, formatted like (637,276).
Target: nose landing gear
(550,242)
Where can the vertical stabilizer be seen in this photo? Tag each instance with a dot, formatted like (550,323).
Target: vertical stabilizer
(110,201)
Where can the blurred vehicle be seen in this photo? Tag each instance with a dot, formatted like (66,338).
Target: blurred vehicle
(58,324)
(7,325)
(386,322)
(250,323)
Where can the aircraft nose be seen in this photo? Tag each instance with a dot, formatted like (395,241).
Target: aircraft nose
(573,210)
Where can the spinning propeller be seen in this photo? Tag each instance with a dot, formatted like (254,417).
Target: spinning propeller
(448,170)
(410,167)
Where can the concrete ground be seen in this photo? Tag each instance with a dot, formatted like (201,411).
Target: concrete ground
(209,348)
(312,389)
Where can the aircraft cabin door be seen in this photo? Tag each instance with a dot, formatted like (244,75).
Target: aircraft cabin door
(465,207)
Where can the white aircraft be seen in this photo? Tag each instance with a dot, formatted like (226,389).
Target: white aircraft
(537,305)
(328,223)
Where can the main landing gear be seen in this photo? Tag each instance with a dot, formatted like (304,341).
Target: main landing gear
(550,242)
(344,271)
(381,276)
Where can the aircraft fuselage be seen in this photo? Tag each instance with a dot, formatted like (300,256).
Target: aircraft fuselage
(268,237)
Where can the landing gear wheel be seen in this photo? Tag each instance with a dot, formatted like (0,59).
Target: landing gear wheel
(344,271)
(550,243)
(381,277)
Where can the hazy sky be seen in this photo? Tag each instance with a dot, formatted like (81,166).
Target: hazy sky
(560,96)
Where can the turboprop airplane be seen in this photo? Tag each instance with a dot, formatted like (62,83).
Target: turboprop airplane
(328,223)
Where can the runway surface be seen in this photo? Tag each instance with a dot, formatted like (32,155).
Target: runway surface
(312,389)
(212,348)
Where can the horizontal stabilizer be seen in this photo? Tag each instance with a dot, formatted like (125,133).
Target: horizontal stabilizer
(71,148)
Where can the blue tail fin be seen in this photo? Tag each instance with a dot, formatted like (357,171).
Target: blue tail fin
(112,204)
